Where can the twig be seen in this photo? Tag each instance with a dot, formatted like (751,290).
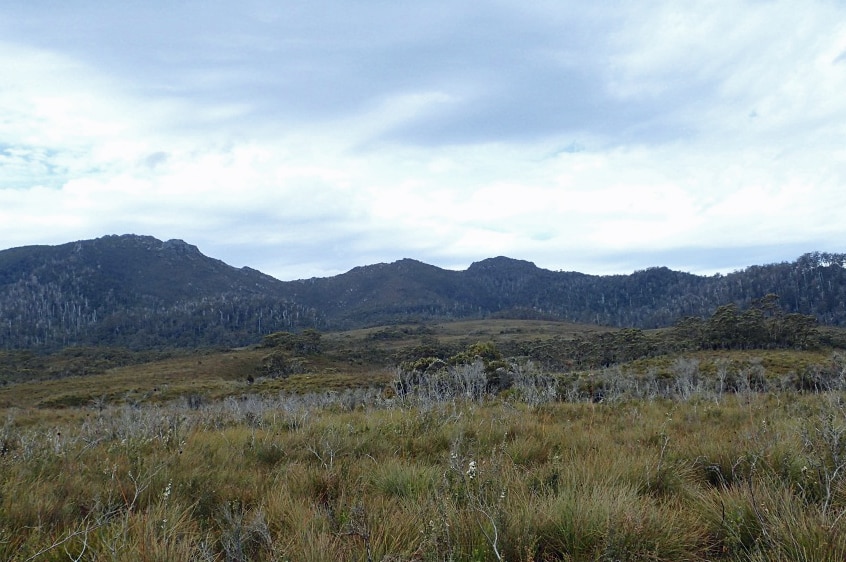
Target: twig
(492,540)
(71,536)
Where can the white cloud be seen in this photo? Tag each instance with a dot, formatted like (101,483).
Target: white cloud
(305,142)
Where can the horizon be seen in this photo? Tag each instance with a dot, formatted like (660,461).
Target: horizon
(392,261)
(303,140)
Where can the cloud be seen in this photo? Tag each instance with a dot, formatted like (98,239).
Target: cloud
(308,138)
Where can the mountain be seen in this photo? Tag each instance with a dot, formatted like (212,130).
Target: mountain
(130,269)
(135,291)
(140,292)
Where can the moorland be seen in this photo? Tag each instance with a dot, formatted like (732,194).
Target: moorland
(431,442)
(497,435)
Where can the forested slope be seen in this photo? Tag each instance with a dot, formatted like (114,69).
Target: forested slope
(140,292)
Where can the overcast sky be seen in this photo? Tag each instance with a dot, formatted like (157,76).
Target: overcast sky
(304,138)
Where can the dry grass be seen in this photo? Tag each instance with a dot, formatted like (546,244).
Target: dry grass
(211,376)
(753,477)
(186,459)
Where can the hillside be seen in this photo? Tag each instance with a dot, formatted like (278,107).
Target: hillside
(140,292)
(134,291)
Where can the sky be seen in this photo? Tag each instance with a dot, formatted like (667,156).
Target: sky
(303,138)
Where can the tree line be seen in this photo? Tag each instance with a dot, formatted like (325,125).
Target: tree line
(58,302)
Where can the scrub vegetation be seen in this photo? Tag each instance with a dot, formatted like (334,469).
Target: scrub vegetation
(438,443)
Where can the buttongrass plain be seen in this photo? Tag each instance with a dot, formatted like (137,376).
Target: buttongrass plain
(671,467)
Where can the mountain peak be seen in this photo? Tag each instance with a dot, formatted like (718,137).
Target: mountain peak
(502,263)
(180,248)
(174,245)
(139,291)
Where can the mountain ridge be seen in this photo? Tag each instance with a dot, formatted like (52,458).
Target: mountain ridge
(141,292)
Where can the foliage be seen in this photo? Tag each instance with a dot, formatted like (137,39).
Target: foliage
(764,325)
(306,342)
(140,293)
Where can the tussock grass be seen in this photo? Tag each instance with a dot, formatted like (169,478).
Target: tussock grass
(356,475)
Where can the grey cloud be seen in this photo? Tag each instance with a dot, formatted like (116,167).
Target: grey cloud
(519,72)
(156,159)
(219,75)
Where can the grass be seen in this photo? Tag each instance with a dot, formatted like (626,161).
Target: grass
(353,359)
(293,478)
(212,375)
(185,458)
